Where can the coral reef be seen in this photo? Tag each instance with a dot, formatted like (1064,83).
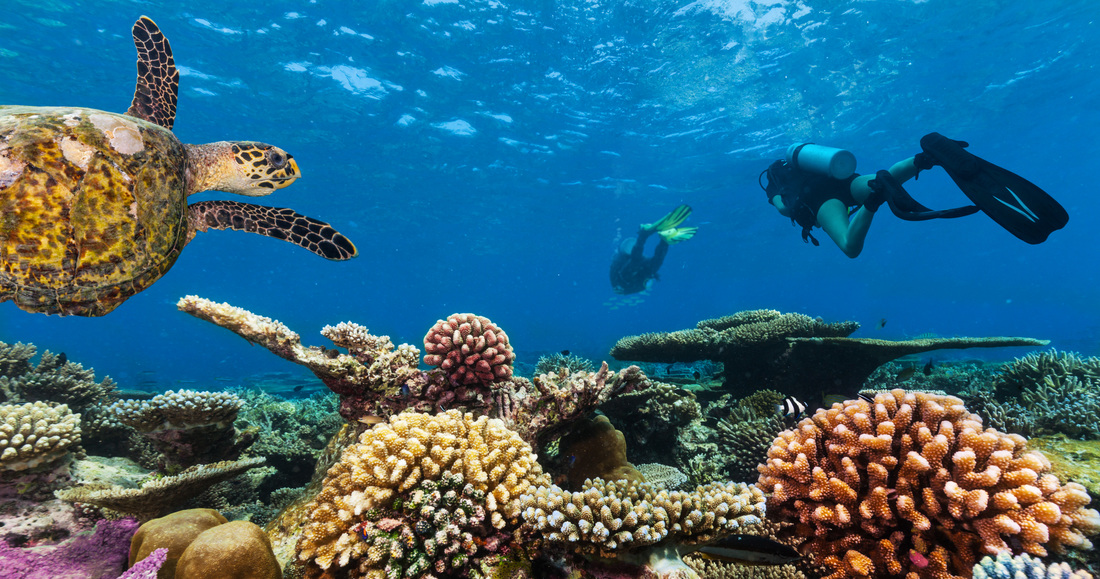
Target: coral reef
(96,554)
(744,438)
(1023,566)
(236,549)
(787,352)
(913,485)
(385,467)
(608,518)
(545,408)
(556,361)
(36,436)
(1040,394)
(291,433)
(171,533)
(373,379)
(53,379)
(662,475)
(187,427)
(147,568)
(470,349)
(594,449)
(652,419)
(158,494)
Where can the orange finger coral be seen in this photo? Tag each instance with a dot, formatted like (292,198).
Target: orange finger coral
(911,485)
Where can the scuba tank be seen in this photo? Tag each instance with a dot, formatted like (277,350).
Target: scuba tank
(828,161)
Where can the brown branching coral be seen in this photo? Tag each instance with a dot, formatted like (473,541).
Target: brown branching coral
(912,485)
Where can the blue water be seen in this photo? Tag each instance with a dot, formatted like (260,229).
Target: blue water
(489,156)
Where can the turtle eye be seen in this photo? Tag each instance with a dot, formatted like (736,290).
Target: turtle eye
(276,158)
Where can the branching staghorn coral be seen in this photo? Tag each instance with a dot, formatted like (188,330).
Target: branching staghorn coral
(913,484)
(52,379)
(1033,369)
(387,465)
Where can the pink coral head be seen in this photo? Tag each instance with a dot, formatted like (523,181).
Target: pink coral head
(919,561)
(471,349)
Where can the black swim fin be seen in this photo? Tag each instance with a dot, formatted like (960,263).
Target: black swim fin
(907,208)
(1015,203)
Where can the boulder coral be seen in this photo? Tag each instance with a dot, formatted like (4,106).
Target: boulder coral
(911,485)
(201,544)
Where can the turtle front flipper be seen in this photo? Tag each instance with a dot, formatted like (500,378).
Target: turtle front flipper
(278,222)
(158,81)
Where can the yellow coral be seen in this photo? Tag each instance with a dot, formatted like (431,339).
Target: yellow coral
(393,457)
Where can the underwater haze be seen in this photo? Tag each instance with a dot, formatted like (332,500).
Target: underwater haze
(489,156)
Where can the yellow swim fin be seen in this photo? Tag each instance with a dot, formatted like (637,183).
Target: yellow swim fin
(676,235)
(674,218)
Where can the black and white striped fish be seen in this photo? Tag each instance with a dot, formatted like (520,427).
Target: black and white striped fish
(791,407)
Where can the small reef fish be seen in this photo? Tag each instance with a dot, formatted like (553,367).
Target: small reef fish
(791,406)
(869,398)
(565,352)
(750,549)
(62,359)
(829,399)
(906,373)
(881,324)
(927,370)
(372,420)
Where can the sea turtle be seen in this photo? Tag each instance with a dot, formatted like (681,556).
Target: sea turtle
(93,205)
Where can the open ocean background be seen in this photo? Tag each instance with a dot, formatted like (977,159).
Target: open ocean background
(488,157)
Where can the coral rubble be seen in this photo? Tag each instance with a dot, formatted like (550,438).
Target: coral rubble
(912,484)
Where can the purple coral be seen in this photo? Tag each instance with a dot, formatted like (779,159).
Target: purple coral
(99,554)
(148,567)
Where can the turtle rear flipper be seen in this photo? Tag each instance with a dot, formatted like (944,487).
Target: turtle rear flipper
(158,81)
(278,222)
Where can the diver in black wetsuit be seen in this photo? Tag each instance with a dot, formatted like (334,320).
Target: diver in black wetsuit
(817,187)
(631,271)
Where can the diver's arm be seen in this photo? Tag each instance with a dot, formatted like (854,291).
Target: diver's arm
(777,201)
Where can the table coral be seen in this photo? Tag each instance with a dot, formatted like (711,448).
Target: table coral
(470,349)
(159,494)
(912,485)
(367,490)
(36,435)
(187,427)
(787,352)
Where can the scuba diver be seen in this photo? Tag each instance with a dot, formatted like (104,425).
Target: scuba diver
(631,272)
(817,186)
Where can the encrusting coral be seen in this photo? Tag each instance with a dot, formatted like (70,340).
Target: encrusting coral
(355,526)
(470,349)
(912,485)
(36,435)
(186,426)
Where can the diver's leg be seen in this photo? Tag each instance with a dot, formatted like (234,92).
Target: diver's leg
(848,236)
(902,171)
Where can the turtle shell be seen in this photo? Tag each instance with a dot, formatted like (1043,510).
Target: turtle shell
(93,207)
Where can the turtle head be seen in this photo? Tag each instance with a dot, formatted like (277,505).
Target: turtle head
(261,169)
(243,167)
